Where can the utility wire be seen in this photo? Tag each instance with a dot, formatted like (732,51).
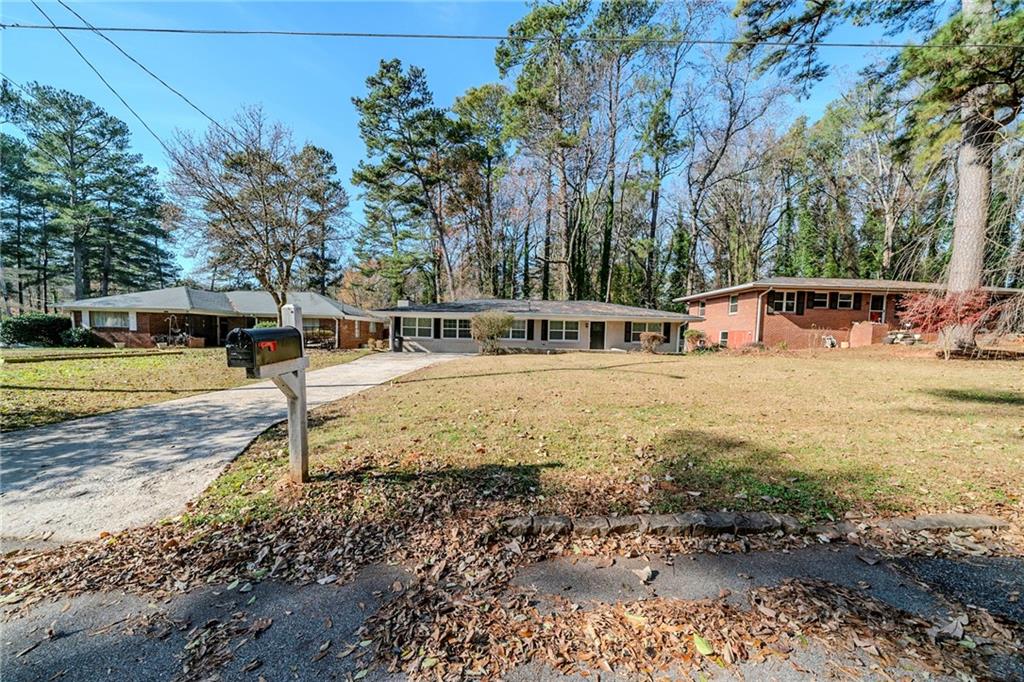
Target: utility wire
(100,76)
(486,37)
(142,66)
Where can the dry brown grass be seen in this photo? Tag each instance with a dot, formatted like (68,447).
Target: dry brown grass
(814,434)
(38,393)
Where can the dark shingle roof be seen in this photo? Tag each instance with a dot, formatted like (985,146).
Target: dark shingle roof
(832,283)
(188,300)
(526,308)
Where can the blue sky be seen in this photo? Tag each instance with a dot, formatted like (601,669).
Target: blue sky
(306,83)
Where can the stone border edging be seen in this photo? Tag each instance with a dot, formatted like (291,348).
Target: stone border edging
(686,524)
(707,523)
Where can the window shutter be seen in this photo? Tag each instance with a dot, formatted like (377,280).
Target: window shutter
(629,332)
(666,331)
(437,327)
(543,330)
(396,326)
(771,302)
(858,300)
(833,300)
(529,330)
(799,303)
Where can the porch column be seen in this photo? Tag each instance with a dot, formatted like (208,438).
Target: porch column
(337,333)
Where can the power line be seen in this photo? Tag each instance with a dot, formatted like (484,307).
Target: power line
(100,76)
(142,66)
(493,38)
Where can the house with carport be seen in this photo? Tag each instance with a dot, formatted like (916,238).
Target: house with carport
(143,318)
(536,325)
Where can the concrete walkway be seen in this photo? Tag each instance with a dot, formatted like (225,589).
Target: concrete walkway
(71,481)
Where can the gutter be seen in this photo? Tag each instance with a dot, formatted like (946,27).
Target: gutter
(760,313)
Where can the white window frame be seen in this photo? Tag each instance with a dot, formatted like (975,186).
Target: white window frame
(817,303)
(702,307)
(417,327)
(880,311)
(787,301)
(734,304)
(517,332)
(105,314)
(723,338)
(357,328)
(373,327)
(455,328)
(849,300)
(636,331)
(563,331)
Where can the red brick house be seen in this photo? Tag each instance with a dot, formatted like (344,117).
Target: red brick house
(799,312)
(141,319)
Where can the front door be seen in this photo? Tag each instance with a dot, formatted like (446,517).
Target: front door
(597,336)
(877,312)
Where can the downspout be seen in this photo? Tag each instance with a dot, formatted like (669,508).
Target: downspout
(760,314)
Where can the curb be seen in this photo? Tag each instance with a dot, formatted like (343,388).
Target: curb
(688,524)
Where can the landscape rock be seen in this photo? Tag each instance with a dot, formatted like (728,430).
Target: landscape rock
(518,525)
(661,524)
(591,525)
(943,522)
(551,525)
(623,524)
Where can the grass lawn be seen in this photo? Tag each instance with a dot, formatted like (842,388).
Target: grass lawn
(813,434)
(38,393)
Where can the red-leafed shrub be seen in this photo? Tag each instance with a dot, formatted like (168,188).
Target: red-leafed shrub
(968,310)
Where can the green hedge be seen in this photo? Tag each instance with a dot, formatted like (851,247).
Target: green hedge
(34,328)
(78,337)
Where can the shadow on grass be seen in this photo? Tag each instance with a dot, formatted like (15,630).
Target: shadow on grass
(978,395)
(742,475)
(490,482)
(543,370)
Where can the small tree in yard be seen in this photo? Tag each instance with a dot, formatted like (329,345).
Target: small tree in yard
(968,310)
(487,328)
(649,341)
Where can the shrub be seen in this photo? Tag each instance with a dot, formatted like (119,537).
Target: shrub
(649,341)
(78,337)
(323,337)
(931,313)
(695,339)
(34,328)
(487,328)
(265,324)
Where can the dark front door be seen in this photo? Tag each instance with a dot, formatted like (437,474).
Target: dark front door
(597,335)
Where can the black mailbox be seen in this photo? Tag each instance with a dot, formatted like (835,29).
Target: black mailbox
(262,346)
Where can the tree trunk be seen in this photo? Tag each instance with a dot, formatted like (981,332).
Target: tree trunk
(78,266)
(974,185)
(545,280)
(652,235)
(604,270)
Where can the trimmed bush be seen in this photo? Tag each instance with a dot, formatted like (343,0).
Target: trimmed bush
(78,337)
(34,329)
(265,324)
(649,341)
(695,338)
(487,328)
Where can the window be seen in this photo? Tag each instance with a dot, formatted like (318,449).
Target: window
(559,330)
(109,320)
(846,301)
(422,327)
(639,328)
(357,328)
(820,299)
(785,302)
(455,329)
(701,307)
(373,327)
(309,325)
(517,330)
(723,339)
(734,305)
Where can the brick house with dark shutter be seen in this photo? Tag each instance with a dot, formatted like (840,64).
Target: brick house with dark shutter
(539,325)
(799,312)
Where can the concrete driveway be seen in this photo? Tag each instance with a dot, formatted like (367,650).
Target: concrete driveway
(71,481)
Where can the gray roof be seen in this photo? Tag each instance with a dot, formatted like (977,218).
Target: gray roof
(833,283)
(594,310)
(187,300)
